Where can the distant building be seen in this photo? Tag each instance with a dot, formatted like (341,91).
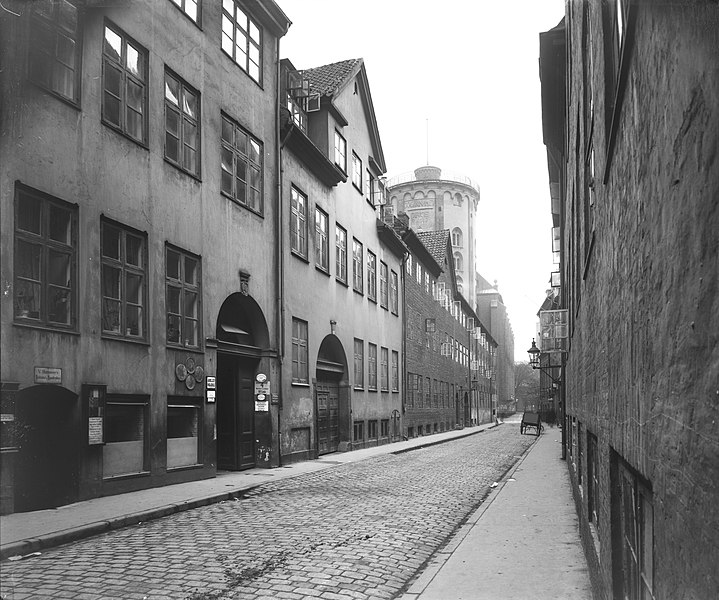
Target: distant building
(493,314)
(449,353)
(435,200)
(630,108)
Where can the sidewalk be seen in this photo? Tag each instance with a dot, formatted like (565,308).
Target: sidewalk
(23,533)
(522,543)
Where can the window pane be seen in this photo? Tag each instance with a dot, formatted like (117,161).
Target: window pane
(172,91)
(135,95)
(241,141)
(254,32)
(67,16)
(173,328)
(190,304)
(173,299)
(190,271)
(27,261)
(255,153)
(227,131)
(229,6)
(190,159)
(110,282)
(172,147)
(254,71)
(66,50)
(241,170)
(60,221)
(133,320)
(173,265)
(172,123)
(59,305)
(190,332)
(29,210)
(189,106)
(189,133)
(134,124)
(113,44)
(27,299)
(133,288)
(227,44)
(112,109)
(111,315)
(58,269)
(133,250)
(132,61)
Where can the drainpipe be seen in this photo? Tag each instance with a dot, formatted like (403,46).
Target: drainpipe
(280,258)
(402,272)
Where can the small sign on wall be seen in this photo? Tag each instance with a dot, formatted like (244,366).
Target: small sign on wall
(94,396)
(48,375)
(210,389)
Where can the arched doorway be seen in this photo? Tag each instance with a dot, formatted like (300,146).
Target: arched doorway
(241,336)
(46,474)
(332,393)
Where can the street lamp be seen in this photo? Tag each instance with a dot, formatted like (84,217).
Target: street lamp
(534,353)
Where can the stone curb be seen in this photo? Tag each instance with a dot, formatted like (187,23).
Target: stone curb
(58,538)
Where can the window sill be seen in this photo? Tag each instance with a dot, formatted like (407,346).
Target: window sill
(194,176)
(120,132)
(180,348)
(300,384)
(384,306)
(322,270)
(64,99)
(125,476)
(341,282)
(234,62)
(358,389)
(358,189)
(372,300)
(240,204)
(299,256)
(373,390)
(44,327)
(185,467)
(358,292)
(117,338)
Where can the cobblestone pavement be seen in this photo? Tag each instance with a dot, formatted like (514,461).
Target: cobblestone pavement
(354,531)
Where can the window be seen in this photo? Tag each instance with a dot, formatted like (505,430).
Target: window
(367,185)
(241,166)
(45,266)
(408,264)
(383,285)
(395,371)
(371,275)
(428,392)
(190,8)
(359,364)
(372,367)
(182,124)
(372,430)
(182,273)
(124,75)
(54,61)
(384,369)
(341,253)
(357,265)
(322,256)
(300,369)
(634,569)
(357,172)
(384,428)
(242,39)
(340,151)
(457,237)
(124,269)
(358,431)
(394,293)
(298,222)
(184,419)
(125,448)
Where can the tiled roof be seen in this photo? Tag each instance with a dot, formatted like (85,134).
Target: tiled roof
(327,79)
(436,243)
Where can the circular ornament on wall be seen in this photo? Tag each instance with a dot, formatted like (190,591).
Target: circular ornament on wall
(181,372)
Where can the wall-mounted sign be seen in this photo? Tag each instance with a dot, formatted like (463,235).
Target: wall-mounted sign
(261,377)
(262,405)
(94,396)
(210,387)
(262,387)
(48,375)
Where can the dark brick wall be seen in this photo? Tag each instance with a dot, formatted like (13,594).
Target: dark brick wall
(643,365)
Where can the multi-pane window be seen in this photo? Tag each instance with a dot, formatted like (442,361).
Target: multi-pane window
(367,187)
(372,366)
(395,371)
(54,60)
(357,256)
(593,480)
(394,293)
(457,237)
(322,252)
(124,76)
(298,222)
(357,171)
(182,124)
(45,287)
(383,285)
(241,166)
(190,8)
(358,431)
(124,275)
(384,428)
(300,369)
(340,151)
(359,363)
(372,430)
(341,253)
(242,38)
(384,369)
(182,273)
(371,275)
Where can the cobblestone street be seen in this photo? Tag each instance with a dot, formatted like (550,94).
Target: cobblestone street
(360,530)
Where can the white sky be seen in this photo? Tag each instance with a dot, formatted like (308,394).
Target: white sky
(467,71)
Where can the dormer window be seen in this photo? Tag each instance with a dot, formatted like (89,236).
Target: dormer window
(340,151)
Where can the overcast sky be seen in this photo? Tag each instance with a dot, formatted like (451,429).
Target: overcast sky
(456,83)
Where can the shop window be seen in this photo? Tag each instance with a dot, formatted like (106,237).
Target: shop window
(124,73)
(241,166)
(184,423)
(124,290)
(182,272)
(45,260)
(125,449)
(54,61)
(182,124)
(242,39)
(298,222)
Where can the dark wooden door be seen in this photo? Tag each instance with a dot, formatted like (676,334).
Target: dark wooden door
(235,413)
(328,416)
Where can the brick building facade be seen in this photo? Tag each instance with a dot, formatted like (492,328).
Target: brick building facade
(630,97)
